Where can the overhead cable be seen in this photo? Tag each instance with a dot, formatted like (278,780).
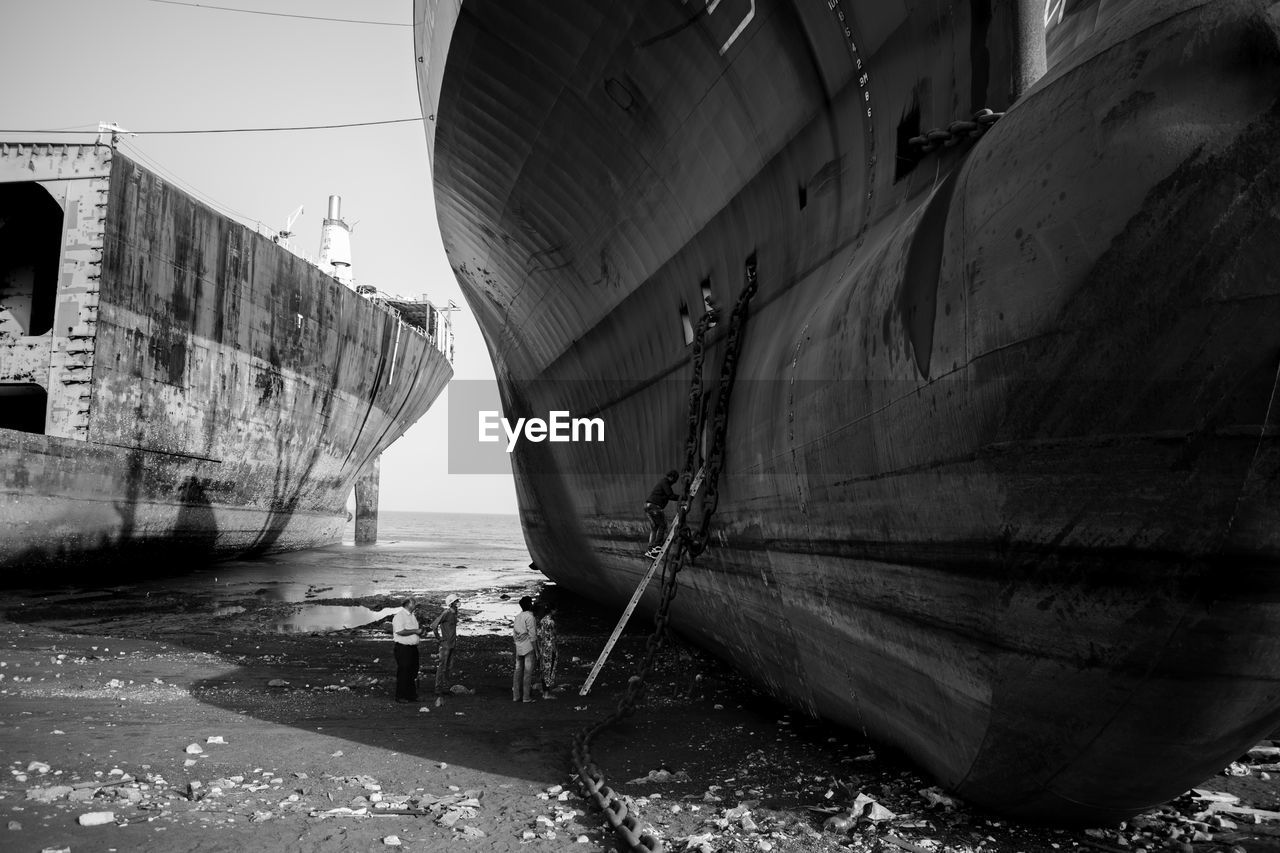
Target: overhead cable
(150,162)
(234,129)
(280,14)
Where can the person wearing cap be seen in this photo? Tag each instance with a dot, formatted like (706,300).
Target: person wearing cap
(405,632)
(446,630)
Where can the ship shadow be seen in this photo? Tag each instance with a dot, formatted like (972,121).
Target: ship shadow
(342,683)
(348,677)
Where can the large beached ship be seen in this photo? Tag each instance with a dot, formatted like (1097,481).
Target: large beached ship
(174,384)
(999,481)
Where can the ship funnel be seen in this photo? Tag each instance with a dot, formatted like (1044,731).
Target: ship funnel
(335,243)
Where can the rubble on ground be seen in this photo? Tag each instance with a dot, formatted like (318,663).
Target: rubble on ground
(733,777)
(258,794)
(879,807)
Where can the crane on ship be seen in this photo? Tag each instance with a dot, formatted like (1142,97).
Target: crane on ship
(285,236)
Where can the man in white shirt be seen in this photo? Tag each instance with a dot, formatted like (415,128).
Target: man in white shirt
(405,632)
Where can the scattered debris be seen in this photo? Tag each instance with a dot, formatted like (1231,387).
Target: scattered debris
(935,797)
(96,818)
(661,775)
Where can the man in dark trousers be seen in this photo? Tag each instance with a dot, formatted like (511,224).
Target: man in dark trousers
(405,632)
(655,508)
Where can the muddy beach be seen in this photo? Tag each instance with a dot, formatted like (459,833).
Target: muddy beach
(242,711)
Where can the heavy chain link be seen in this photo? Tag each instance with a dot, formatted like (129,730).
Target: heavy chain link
(625,824)
(696,543)
(955,132)
(705,322)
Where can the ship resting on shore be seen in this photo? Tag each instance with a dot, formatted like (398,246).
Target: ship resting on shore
(176,385)
(1000,464)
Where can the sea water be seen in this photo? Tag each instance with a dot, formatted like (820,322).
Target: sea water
(427,555)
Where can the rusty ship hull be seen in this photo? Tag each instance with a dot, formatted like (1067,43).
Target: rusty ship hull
(176,385)
(1000,462)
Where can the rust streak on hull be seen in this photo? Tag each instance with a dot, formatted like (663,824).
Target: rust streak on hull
(197,391)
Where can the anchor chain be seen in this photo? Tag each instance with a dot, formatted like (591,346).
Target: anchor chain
(624,823)
(696,543)
(930,140)
(706,321)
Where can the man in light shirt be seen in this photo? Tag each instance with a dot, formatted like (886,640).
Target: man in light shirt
(405,632)
(446,630)
(525,632)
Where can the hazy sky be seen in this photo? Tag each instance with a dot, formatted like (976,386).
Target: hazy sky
(150,66)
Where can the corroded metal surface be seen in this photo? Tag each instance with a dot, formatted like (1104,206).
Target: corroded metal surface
(221,394)
(1001,484)
(366,512)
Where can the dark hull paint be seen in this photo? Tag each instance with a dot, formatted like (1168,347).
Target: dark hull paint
(1001,470)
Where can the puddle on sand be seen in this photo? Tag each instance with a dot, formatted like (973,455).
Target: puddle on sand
(328,617)
(487,612)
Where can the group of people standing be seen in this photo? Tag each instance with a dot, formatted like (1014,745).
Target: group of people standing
(534,633)
(533,630)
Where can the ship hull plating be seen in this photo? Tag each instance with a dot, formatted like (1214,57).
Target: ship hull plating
(194,392)
(1000,480)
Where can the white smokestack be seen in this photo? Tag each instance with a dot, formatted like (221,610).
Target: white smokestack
(335,243)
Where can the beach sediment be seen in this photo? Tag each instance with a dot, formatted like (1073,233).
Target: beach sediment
(197,725)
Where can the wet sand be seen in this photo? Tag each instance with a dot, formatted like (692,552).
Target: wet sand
(110,698)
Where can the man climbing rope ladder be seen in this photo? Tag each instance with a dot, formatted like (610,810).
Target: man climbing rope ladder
(655,508)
